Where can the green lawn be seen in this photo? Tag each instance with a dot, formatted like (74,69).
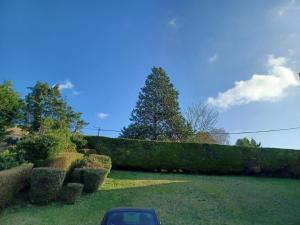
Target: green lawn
(179,200)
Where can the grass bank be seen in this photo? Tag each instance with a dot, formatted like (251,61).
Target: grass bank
(179,199)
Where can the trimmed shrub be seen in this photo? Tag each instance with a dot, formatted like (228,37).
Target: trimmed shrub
(71,192)
(94,161)
(277,162)
(197,158)
(77,175)
(93,179)
(62,161)
(12,181)
(46,184)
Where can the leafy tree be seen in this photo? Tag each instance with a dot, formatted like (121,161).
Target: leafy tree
(46,109)
(157,114)
(245,142)
(10,105)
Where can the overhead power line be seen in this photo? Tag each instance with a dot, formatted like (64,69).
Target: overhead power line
(230,133)
(259,131)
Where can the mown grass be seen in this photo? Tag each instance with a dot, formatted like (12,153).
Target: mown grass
(179,200)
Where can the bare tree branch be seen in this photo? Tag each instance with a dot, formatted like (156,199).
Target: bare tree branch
(202,117)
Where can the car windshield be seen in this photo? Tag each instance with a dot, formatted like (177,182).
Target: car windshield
(131,218)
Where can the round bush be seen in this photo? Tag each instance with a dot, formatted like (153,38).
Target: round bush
(71,192)
(46,184)
(93,179)
(94,161)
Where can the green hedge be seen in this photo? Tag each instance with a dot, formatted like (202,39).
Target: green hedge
(12,181)
(62,161)
(46,184)
(91,178)
(94,161)
(71,193)
(197,158)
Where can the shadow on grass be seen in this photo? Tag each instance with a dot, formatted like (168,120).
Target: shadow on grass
(91,207)
(179,199)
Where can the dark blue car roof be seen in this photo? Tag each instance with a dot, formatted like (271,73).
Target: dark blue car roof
(130,210)
(109,212)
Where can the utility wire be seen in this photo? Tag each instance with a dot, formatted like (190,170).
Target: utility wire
(258,131)
(230,133)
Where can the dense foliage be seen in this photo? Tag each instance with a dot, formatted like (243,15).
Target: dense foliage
(40,146)
(157,114)
(10,106)
(9,159)
(245,142)
(46,184)
(197,158)
(78,140)
(12,181)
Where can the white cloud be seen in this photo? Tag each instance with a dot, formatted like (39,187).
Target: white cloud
(270,87)
(213,58)
(292,4)
(173,23)
(102,116)
(66,85)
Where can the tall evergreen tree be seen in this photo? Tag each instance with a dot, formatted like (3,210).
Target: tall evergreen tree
(157,114)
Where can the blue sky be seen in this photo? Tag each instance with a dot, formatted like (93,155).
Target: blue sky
(101,52)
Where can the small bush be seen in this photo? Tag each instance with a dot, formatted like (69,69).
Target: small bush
(93,179)
(41,146)
(12,181)
(8,160)
(46,184)
(38,147)
(71,192)
(94,161)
